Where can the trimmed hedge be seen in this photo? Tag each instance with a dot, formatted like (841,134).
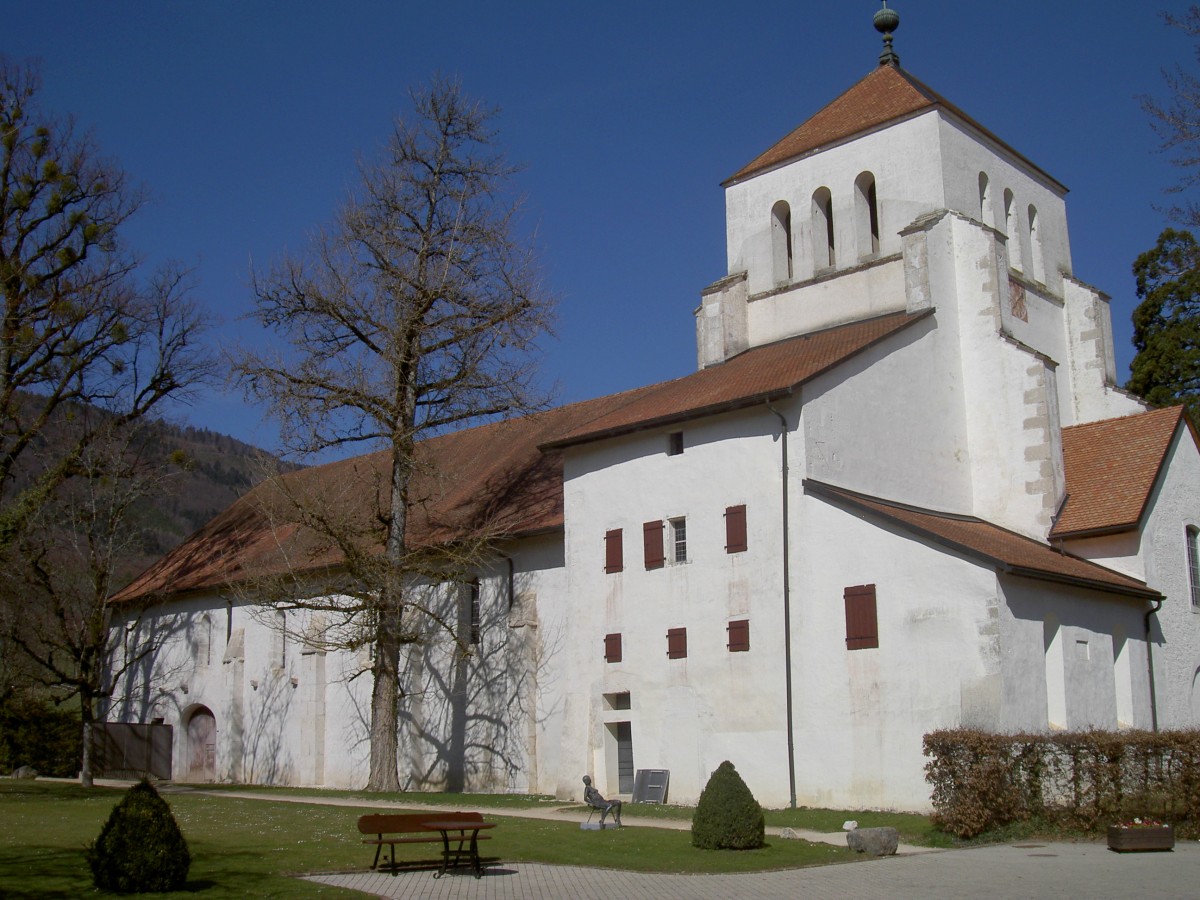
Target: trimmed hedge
(1085,780)
(727,816)
(140,849)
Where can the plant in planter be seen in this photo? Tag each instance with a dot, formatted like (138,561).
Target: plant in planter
(1140,835)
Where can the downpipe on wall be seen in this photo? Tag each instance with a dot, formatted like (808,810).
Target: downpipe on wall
(1150,663)
(787,607)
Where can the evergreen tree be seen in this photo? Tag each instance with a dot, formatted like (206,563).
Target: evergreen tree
(140,848)
(727,816)
(1166,324)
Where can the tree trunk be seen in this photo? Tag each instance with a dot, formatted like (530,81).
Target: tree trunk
(85,769)
(385,694)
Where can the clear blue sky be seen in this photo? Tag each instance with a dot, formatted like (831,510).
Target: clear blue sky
(245,119)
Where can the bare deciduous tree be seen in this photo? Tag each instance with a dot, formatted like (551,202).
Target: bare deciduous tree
(1177,121)
(61,573)
(415,312)
(79,329)
(89,347)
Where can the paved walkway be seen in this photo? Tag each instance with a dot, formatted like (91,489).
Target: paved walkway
(1025,870)
(1009,871)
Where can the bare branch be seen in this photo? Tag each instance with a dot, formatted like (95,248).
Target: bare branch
(415,311)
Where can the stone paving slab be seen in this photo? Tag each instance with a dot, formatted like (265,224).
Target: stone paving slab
(1036,871)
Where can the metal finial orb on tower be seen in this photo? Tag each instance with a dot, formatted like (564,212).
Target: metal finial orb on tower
(887,21)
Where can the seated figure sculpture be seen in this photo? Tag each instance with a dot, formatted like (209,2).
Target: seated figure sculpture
(593,798)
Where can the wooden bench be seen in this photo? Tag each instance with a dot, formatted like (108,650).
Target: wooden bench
(390,829)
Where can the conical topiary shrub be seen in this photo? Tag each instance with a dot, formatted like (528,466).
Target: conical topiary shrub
(140,848)
(727,816)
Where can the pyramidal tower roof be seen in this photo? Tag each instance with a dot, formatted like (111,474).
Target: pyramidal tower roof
(887,95)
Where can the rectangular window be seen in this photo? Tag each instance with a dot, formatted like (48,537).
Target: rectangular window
(676,643)
(281,638)
(612,648)
(652,544)
(614,551)
(1193,553)
(674,443)
(618,700)
(735,529)
(862,627)
(739,636)
(679,540)
(475,611)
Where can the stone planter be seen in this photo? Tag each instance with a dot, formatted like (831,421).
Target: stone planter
(1140,840)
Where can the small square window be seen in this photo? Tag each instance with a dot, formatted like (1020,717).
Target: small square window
(618,700)
(674,443)
(678,539)
(676,643)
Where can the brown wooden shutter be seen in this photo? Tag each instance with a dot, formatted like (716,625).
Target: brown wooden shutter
(862,626)
(612,648)
(614,551)
(739,635)
(676,643)
(652,540)
(735,529)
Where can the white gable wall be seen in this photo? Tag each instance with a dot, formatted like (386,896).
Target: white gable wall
(891,422)
(687,715)
(1173,507)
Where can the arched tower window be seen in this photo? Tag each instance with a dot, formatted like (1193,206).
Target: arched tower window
(1013,230)
(1035,246)
(781,242)
(204,641)
(985,200)
(824,252)
(866,210)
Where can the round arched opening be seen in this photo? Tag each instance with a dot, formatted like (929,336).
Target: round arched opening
(201,745)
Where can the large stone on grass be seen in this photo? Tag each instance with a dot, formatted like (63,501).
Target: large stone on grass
(874,841)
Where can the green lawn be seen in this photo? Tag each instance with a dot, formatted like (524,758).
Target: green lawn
(913,828)
(246,847)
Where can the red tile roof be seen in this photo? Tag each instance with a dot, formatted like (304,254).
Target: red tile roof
(1111,468)
(887,95)
(754,376)
(1008,551)
(491,474)
(507,475)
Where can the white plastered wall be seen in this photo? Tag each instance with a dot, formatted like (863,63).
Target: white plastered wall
(687,715)
(861,714)
(298,715)
(1173,507)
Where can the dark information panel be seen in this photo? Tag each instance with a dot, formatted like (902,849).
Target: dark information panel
(650,785)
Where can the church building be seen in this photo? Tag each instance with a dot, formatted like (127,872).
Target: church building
(901,492)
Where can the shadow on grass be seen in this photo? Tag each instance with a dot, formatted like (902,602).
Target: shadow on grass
(57,872)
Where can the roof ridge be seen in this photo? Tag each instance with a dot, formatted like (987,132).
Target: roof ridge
(879,106)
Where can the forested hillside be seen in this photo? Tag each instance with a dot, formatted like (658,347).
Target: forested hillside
(213,470)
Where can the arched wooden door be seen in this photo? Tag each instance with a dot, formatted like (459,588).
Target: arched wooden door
(202,745)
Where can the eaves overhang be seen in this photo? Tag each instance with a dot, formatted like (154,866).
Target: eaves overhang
(909,518)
